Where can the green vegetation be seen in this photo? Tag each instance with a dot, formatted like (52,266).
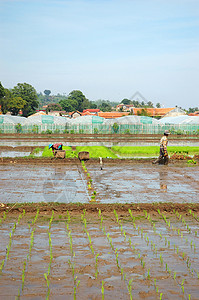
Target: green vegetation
(120,152)
(152,150)
(97,151)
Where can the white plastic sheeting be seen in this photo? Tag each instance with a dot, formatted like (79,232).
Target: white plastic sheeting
(180,120)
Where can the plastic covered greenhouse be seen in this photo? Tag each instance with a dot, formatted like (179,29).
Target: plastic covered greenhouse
(182,124)
(93,124)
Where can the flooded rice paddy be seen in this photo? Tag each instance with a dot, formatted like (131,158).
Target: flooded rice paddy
(116,183)
(99,255)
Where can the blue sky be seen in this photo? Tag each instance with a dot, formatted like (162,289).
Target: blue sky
(108,49)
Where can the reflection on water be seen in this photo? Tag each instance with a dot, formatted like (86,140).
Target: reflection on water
(163,178)
(14,154)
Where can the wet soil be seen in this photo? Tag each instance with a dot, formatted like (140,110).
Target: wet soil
(28,140)
(128,181)
(141,254)
(95,136)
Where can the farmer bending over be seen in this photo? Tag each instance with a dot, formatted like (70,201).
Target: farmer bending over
(55,147)
(163,149)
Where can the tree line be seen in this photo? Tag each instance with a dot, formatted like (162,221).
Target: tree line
(23,97)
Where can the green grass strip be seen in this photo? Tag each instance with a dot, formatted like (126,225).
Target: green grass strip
(97,151)
(152,150)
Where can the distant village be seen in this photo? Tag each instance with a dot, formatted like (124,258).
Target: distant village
(121,110)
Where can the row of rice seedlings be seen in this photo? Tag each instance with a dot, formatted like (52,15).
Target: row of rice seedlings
(162,263)
(47,274)
(193,215)
(76,282)
(195,218)
(129,240)
(168,270)
(3,218)
(89,182)
(115,251)
(83,218)
(184,256)
(20,290)
(70,236)
(70,262)
(179,232)
(28,257)
(3,263)
(179,217)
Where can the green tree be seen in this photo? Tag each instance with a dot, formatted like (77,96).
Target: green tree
(115,127)
(53,107)
(47,92)
(4,100)
(69,105)
(158,105)
(29,94)
(126,101)
(16,104)
(93,105)
(149,104)
(192,110)
(2,91)
(79,97)
(105,106)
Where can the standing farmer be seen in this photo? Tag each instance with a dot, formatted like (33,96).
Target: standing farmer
(163,150)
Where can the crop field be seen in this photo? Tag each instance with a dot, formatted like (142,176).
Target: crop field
(123,229)
(99,255)
(118,151)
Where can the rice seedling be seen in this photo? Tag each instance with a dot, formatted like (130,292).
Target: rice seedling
(76,284)
(51,219)
(130,288)
(182,285)
(48,286)
(102,290)
(36,217)
(148,274)
(2,265)
(96,265)
(116,215)
(174,276)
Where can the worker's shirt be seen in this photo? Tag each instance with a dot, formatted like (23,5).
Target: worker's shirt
(164,142)
(56,146)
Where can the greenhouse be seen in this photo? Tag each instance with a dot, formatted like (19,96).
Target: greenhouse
(182,124)
(130,124)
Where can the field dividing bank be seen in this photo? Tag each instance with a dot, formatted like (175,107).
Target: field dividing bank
(99,252)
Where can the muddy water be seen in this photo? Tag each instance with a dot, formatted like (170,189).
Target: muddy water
(135,183)
(42,183)
(110,143)
(145,183)
(14,154)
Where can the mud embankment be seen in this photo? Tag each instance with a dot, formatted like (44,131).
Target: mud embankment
(93,208)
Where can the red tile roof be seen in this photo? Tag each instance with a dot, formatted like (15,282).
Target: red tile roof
(112,114)
(91,110)
(153,111)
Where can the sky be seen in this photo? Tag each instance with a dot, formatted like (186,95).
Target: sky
(108,49)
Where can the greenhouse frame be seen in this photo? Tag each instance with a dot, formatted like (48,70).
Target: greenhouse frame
(98,125)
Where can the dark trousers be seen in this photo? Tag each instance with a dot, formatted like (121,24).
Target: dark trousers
(162,159)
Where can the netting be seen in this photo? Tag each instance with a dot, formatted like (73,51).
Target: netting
(95,124)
